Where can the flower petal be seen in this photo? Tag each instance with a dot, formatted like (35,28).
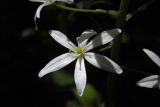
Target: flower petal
(62,39)
(103,62)
(152,56)
(58,63)
(103,38)
(37,15)
(35,22)
(66,1)
(80,76)
(149,82)
(85,36)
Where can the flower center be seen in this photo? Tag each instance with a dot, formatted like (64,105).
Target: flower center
(79,50)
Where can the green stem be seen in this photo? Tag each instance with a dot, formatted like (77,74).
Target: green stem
(120,24)
(113,13)
(112,80)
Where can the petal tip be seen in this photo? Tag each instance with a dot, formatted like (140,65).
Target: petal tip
(70,1)
(149,82)
(142,84)
(139,83)
(119,30)
(80,93)
(144,49)
(120,71)
(40,75)
(50,31)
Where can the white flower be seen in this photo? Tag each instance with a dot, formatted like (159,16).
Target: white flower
(45,3)
(152,81)
(80,53)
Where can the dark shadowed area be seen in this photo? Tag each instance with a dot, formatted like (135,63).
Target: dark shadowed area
(24,52)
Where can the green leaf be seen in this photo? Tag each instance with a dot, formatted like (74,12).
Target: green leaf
(62,78)
(90,95)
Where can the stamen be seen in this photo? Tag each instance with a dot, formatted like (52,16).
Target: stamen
(79,50)
(78,40)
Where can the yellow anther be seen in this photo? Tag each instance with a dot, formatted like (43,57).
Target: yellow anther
(79,50)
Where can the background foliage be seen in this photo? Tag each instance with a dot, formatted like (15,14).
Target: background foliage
(25,51)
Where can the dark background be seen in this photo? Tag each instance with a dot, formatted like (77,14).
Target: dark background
(24,52)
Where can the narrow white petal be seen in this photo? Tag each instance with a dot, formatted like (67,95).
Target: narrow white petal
(80,76)
(102,38)
(153,56)
(66,1)
(38,0)
(37,14)
(58,63)
(62,39)
(149,82)
(114,32)
(103,62)
(38,11)
(35,22)
(85,36)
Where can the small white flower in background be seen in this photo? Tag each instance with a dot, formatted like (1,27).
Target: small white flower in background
(152,56)
(45,3)
(80,53)
(152,81)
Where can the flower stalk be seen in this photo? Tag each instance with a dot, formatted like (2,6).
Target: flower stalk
(98,11)
(112,82)
(81,52)
(120,24)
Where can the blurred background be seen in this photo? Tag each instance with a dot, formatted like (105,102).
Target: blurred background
(24,52)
